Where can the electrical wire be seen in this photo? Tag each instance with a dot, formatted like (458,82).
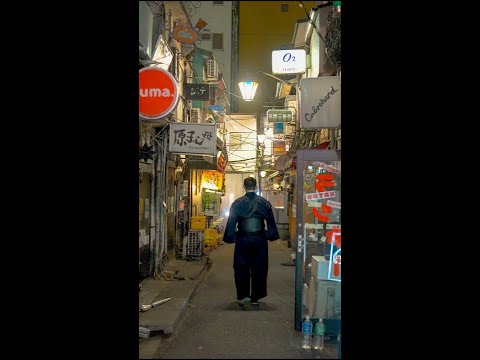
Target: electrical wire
(234,120)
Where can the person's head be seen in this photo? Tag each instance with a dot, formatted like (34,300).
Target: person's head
(250,183)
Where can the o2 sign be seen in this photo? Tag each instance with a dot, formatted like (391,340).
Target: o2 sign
(293,61)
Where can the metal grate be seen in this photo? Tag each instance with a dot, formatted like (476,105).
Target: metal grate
(195,243)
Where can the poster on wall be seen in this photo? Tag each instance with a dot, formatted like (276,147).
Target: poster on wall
(210,203)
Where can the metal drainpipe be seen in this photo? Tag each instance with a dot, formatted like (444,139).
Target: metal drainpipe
(160,243)
(163,198)
(157,207)
(153,220)
(297,112)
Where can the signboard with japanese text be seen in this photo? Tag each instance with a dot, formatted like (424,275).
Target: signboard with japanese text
(279,115)
(196,91)
(320,102)
(193,139)
(293,61)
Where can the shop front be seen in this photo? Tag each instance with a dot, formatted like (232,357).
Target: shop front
(316,207)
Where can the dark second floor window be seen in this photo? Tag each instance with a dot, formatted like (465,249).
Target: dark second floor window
(217,42)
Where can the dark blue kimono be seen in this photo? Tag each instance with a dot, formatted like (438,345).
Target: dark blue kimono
(250,261)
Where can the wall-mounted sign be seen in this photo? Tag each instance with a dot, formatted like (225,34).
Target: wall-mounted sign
(193,139)
(196,91)
(211,203)
(320,102)
(184,34)
(282,115)
(293,61)
(200,24)
(278,147)
(158,93)
(278,128)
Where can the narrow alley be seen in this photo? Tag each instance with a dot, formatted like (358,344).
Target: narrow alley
(214,326)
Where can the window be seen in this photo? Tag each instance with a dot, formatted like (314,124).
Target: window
(206,36)
(284,8)
(218,3)
(217,42)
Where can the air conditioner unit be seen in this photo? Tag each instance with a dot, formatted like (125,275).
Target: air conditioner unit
(195,115)
(212,69)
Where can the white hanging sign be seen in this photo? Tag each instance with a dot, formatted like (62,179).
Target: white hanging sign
(193,139)
(291,61)
(320,102)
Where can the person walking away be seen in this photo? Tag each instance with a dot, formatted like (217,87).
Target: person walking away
(250,262)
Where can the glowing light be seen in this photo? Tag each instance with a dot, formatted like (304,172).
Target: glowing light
(248,89)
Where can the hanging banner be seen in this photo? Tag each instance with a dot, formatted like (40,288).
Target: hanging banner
(221,162)
(193,139)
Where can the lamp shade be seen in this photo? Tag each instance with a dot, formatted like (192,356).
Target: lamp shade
(248,89)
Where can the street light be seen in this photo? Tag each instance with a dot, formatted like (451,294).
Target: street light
(248,89)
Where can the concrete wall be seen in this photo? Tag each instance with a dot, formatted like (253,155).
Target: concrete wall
(219,21)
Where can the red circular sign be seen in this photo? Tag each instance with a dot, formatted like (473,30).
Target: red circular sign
(158,93)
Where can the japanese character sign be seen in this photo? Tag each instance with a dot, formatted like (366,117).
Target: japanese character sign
(193,139)
(196,91)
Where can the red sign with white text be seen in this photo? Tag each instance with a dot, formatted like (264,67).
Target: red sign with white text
(158,93)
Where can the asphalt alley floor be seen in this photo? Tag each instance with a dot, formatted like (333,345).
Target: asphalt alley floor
(213,326)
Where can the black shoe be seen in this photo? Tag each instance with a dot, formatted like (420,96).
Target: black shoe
(244,302)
